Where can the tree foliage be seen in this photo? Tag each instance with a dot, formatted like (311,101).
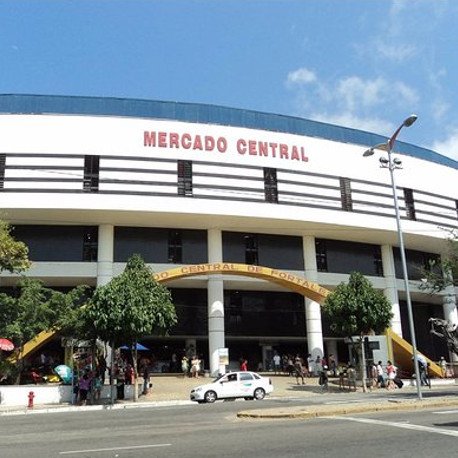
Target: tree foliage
(131,305)
(357,308)
(33,309)
(443,272)
(13,253)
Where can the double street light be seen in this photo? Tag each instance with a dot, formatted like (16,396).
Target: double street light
(392,164)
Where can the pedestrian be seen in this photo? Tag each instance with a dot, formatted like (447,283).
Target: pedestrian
(324,379)
(380,378)
(391,372)
(443,365)
(422,369)
(318,365)
(374,375)
(277,363)
(97,387)
(244,365)
(310,365)
(84,384)
(299,371)
(185,366)
(333,365)
(351,377)
(145,375)
(195,367)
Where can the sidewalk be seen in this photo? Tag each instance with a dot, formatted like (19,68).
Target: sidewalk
(174,390)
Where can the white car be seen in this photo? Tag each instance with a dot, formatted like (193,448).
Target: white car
(247,385)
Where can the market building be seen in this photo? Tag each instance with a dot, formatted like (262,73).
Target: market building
(86,182)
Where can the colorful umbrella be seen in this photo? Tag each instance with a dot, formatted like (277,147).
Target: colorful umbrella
(6,345)
(64,372)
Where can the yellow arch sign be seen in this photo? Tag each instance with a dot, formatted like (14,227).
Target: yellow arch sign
(293,282)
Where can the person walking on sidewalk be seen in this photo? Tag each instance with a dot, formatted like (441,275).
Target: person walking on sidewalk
(391,371)
(299,370)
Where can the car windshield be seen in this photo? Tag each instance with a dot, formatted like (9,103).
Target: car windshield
(225,378)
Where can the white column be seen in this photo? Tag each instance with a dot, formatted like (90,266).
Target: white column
(450,312)
(391,291)
(215,294)
(312,308)
(105,251)
(105,254)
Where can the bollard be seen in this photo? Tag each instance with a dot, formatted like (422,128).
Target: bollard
(30,396)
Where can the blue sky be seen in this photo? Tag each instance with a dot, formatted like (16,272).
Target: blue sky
(366,64)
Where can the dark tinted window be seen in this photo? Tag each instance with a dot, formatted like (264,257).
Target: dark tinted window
(191,308)
(261,313)
(417,262)
(59,243)
(153,244)
(277,251)
(91,173)
(345,257)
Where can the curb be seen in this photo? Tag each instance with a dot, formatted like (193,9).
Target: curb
(69,408)
(321,411)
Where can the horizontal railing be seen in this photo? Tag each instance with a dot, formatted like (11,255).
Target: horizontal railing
(131,175)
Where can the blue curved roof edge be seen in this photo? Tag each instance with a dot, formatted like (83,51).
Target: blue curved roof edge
(202,113)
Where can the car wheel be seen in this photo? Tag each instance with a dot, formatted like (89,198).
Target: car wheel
(210,396)
(259,394)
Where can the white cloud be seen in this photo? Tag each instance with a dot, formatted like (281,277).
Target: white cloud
(395,52)
(356,92)
(369,124)
(301,76)
(449,146)
(351,101)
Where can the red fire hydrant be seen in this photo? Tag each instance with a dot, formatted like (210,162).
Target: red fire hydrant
(30,396)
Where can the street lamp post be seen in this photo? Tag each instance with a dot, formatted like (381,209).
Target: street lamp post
(391,164)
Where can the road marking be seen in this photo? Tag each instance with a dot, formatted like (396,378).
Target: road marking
(429,429)
(69,452)
(446,412)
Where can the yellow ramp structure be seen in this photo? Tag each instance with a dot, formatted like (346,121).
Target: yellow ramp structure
(33,345)
(402,352)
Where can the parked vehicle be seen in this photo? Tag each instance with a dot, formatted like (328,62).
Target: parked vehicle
(247,385)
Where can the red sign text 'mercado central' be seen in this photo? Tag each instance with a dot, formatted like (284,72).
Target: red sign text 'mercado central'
(250,147)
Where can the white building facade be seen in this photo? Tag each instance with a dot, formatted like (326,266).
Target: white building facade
(87,182)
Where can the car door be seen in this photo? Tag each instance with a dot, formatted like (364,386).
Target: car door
(246,384)
(229,386)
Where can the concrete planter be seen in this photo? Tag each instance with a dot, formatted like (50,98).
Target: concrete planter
(17,395)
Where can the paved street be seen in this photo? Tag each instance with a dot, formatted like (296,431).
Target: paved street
(214,430)
(165,424)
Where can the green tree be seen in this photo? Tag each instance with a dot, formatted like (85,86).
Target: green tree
(13,253)
(33,309)
(443,272)
(357,309)
(130,306)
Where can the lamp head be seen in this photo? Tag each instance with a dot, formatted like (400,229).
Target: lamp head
(368,152)
(410,120)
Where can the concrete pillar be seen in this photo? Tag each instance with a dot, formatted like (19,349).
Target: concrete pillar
(105,254)
(450,312)
(215,294)
(312,308)
(391,291)
(105,251)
